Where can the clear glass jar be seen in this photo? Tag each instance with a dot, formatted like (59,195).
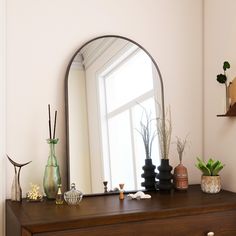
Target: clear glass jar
(73,197)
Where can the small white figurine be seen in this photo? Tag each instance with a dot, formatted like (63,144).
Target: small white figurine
(139,195)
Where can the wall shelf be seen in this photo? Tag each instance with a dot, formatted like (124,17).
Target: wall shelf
(230,112)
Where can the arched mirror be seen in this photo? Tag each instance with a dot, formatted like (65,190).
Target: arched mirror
(111,82)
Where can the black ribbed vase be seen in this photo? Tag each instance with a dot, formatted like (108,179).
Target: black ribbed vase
(165,177)
(149,175)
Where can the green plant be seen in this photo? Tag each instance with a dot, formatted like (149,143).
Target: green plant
(211,168)
(222,79)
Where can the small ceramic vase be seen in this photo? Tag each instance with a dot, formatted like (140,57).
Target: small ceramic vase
(180,177)
(149,175)
(164,176)
(211,184)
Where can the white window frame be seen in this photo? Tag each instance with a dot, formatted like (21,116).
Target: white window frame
(102,75)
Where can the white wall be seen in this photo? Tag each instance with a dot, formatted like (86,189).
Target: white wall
(41,40)
(2,111)
(220,38)
(43,35)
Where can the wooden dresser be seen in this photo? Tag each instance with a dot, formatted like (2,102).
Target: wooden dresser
(178,213)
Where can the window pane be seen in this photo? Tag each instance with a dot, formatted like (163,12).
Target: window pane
(138,115)
(128,81)
(121,161)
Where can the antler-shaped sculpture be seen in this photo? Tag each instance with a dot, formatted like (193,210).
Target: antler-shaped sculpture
(16,192)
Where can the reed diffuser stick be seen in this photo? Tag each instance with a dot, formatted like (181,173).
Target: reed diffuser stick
(49,122)
(55,123)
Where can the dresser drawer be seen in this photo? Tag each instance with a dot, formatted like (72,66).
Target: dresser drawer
(190,213)
(221,223)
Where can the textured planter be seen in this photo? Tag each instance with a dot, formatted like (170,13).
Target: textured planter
(164,176)
(211,184)
(149,175)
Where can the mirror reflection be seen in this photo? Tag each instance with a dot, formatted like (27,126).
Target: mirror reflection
(111,81)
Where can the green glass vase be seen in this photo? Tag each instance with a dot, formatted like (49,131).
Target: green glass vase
(52,177)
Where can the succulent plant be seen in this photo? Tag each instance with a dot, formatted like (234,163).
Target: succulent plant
(211,168)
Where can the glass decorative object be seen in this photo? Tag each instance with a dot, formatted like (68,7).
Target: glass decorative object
(16,192)
(59,197)
(52,176)
(73,197)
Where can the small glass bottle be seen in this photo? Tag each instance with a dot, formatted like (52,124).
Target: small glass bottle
(59,196)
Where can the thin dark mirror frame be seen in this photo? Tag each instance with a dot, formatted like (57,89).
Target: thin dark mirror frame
(66,98)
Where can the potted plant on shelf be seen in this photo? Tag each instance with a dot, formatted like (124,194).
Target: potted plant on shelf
(210,180)
(164,132)
(148,137)
(222,78)
(180,171)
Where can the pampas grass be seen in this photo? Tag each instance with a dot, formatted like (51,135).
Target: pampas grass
(164,128)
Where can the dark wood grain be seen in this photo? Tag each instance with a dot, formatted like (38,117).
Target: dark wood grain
(178,226)
(102,215)
(25,232)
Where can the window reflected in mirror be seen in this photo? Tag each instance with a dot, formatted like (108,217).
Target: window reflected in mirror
(121,116)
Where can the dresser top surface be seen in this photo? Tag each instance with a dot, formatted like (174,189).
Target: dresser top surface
(108,209)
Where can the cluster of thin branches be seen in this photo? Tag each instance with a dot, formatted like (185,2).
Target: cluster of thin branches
(164,128)
(146,132)
(181,144)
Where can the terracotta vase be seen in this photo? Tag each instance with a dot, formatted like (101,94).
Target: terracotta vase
(211,184)
(180,177)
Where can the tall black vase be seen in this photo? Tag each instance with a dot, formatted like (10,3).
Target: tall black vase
(165,177)
(149,175)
